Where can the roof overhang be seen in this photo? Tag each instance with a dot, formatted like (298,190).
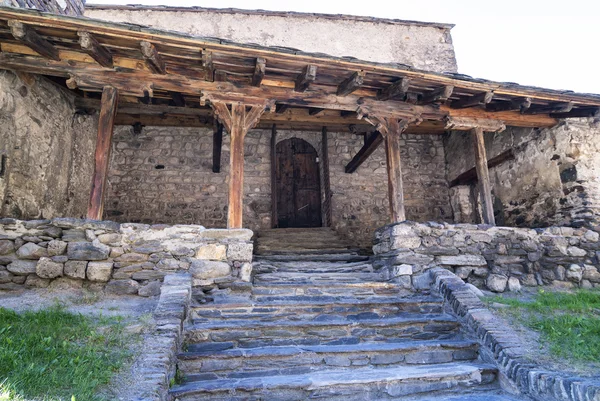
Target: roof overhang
(166,78)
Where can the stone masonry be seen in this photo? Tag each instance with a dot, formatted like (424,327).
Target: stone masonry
(497,258)
(119,258)
(164,175)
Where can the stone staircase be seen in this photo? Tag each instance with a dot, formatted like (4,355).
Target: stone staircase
(321,324)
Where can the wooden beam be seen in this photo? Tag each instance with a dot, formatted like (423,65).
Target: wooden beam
(482,98)
(579,112)
(274,212)
(313,111)
(91,46)
(395,128)
(28,36)
(217,145)
(208,65)
(308,75)
(397,90)
(110,99)
(467,124)
(438,95)
(350,84)
(281,108)
(153,60)
(372,142)
(326,177)
(259,71)
(470,176)
(237,119)
(561,107)
(178,99)
(483,176)
(520,105)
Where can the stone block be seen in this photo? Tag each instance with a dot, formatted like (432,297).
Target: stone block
(240,251)
(406,242)
(402,270)
(31,251)
(464,271)
(205,269)
(591,273)
(148,275)
(112,239)
(6,247)
(514,285)
(496,282)
(122,287)
(151,289)
(131,257)
(99,271)
(224,234)
(46,268)
(5,276)
(462,260)
(65,283)
(575,251)
(421,281)
(22,267)
(37,282)
(212,252)
(75,269)
(591,236)
(246,272)
(88,251)
(574,273)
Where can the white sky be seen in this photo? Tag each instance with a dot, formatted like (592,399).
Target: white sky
(548,43)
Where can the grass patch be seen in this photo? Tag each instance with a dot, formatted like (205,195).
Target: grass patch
(568,322)
(53,355)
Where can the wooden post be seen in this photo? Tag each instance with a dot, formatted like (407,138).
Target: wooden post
(108,110)
(238,118)
(394,129)
(217,144)
(274,216)
(483,176)
(326,179)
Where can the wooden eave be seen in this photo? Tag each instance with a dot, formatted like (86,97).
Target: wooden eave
(165,78)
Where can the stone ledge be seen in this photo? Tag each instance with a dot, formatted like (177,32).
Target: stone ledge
(507,349)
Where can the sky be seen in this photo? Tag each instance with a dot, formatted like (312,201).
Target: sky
(548,43)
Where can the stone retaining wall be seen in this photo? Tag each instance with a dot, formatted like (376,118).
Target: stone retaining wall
(120,258)
(499,258)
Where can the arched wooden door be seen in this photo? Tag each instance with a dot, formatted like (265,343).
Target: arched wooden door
(298,184)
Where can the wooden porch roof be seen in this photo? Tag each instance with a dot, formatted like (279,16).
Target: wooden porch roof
(166,78)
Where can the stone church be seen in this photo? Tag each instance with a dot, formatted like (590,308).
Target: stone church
(322,189)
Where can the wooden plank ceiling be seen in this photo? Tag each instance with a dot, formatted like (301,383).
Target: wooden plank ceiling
(164,79)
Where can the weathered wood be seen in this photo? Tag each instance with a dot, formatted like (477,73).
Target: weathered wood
(110,98)
(326,178)
(259,71)
(467,124)
(397,90)
(513,105)
(561,107)
(472,101)
(313,111)
(281,108)
(217,145)
(470,176)
(207,64)
(350,84)
(372,142)
(395,128)
(483,176)
(91,46)
(28,36)
(153,60)
(178,99)
(509,118)
(438,95)
(308,75)
(274,176)
(579,112)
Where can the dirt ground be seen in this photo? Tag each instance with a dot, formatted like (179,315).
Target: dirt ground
(135,311)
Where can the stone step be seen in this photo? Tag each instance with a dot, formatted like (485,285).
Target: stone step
(296,253)
(320,278)
(314,257)
(265,291)
(331,330)
(201,364)
(485,395)
(310,309)
(315,267)
(343,384)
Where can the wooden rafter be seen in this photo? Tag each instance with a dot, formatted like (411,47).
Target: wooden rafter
(308,75)
(520,105)
(350,84)
(580,112)
(207,64)
(259,71)
(472,101)
(91,46)
(28,36)
(438,95)
(561,107)
(153,60)
(313,111)
(397,90)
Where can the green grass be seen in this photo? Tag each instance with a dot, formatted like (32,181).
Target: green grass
(53,355)
(569,323)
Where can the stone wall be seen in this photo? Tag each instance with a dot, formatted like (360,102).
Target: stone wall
(121,258)
(422,45)
(46,150)
(68,7)
(553,179)
(499,258)
(164,175)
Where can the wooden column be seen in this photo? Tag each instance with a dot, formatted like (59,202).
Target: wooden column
(238,118)
(274,216)
(108,110)
(394,129)
(483,176)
